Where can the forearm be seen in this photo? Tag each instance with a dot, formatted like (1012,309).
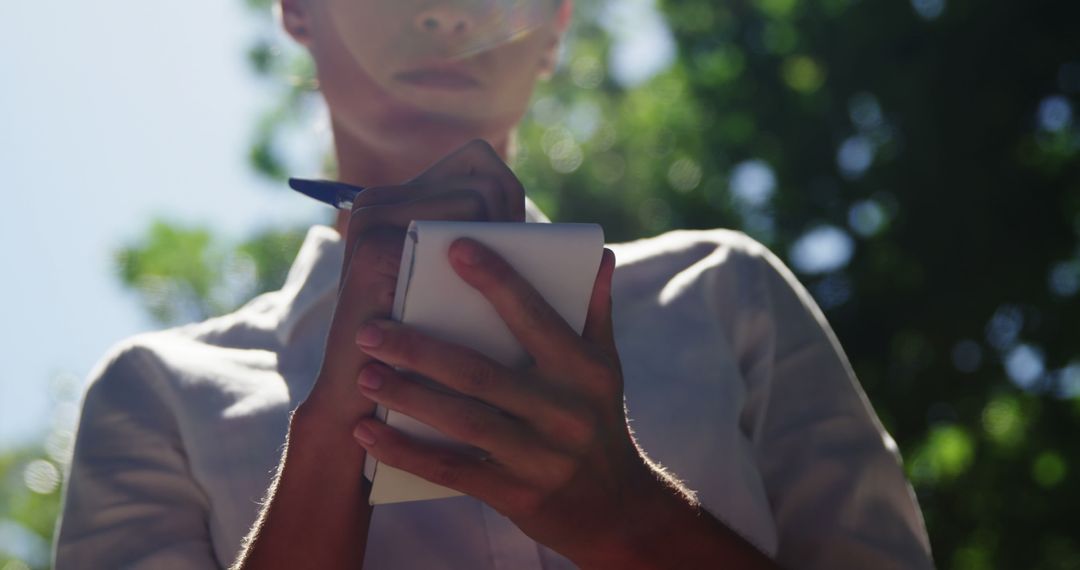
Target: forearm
(317,513)
(668,528)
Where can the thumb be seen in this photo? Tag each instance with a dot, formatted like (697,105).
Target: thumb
(598,326)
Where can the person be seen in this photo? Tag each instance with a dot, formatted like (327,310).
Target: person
(240,441)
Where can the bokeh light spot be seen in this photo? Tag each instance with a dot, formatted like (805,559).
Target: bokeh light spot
(608,167)
(59,445)
(586,71)
(867,217)
(1055,114)
(1049,469)
(1004,327)
(1064,279)
(928,9)
(803,74)
(832,291)
(1003,421)
(777,8)
(553,136)
(947,453)
(1025,364)
(822,249)
(684,175)
(865,111)
(41,476)
(547,111)
(584,120)
(642,42)
(566,156)
(753,183)
(1068,381)
(721,65)
(855,156)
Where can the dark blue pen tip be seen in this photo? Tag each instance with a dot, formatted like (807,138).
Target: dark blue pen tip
(317,189)
(337,194)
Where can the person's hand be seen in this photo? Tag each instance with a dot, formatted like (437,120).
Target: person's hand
(562,463)
(470,184)
(317,514)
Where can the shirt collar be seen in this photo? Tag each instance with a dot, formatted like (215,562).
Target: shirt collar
(314,275)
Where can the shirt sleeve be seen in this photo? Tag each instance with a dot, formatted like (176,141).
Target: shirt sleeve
(129,500)
(832,473)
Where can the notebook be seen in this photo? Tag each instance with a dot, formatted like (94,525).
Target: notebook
(561,262)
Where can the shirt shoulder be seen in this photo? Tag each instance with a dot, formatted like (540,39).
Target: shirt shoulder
(202,408)
(250,326)
(690,245)
(726,270)
(279,321)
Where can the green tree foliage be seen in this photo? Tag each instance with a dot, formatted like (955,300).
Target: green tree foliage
(917,165)
(939,138)
(30,483)
(183,274)
(29,504)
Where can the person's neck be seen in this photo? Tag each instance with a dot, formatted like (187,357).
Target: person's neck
(363,164)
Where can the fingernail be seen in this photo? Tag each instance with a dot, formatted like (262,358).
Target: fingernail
(364,435)
(468,252)
(371,378)
(370,336)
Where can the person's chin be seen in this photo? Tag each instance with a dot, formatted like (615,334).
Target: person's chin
(440,127)
(433,117)
(456,112)
(451,105)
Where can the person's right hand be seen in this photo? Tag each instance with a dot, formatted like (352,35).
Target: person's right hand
(470,184)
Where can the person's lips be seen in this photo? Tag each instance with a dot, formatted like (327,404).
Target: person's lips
(449,78)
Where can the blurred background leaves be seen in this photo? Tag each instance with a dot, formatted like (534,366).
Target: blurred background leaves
(916,163)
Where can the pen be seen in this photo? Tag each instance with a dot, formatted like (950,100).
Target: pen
(338,194)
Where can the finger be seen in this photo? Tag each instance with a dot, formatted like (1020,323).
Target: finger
(479,158)
(598,326)
(462,205)
(488,189)
(369,277)
(458,368)
(370,280)
(383,195)
(555,411)
(440,465)
(376,204)
(461,418)
(459,205)
(543,333)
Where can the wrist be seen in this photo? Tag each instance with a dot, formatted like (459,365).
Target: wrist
(316,514)
(317,441)
(652,507)
(327,415)
(667,528)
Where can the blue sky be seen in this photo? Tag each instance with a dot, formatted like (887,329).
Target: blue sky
(112,113)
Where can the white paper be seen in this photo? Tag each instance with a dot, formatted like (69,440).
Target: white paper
(561,262)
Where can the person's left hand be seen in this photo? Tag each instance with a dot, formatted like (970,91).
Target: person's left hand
(563,464)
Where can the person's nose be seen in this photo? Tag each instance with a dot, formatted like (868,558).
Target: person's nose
(447,20)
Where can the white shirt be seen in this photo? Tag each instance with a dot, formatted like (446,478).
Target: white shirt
(734,383)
